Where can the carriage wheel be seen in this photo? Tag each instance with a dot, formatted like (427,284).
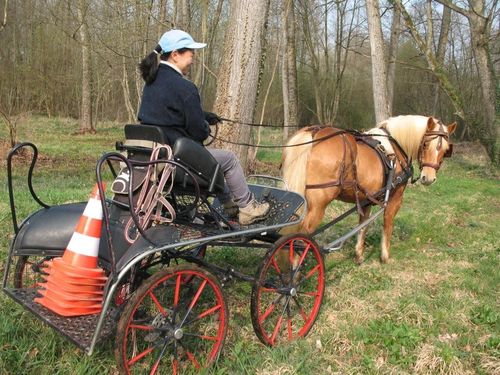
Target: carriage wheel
(176,320)
(288,290)
(29,270)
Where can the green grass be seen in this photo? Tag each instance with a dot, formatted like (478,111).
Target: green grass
(434,309)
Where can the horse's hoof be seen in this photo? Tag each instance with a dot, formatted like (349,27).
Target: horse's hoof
(386,260)
(359,260)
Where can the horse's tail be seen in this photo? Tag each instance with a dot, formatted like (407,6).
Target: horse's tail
(295,159)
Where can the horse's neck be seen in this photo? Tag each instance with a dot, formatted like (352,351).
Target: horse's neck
(408,131)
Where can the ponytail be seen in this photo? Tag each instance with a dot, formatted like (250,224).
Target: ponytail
(149,65)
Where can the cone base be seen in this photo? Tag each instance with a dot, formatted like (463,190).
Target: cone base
(74,270)
(71,286)
(65,309)
(78,298)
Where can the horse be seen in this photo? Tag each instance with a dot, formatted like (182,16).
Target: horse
(326,164)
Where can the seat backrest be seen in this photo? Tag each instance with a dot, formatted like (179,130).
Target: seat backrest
(145,133)
(200,162)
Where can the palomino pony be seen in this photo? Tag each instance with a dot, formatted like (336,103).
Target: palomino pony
(329,163)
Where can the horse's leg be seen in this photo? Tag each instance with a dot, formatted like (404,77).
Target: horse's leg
(317,201)
(391,210)
(360,245)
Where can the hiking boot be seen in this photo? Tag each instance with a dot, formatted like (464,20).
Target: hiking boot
(253,212)
(230,209)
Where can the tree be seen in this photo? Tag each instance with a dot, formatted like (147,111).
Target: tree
(433,64)
(379,67)
(86,125)
(441,49)
(391,63)
(289,71)
(238,78)
(480,21)
(3,22)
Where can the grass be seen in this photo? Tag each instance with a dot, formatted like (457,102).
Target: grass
(434,309)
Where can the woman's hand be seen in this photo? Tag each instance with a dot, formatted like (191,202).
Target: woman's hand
(212,118)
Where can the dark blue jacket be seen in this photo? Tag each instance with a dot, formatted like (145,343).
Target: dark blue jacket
(173,103)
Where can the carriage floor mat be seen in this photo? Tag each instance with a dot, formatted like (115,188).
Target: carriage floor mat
(78,330)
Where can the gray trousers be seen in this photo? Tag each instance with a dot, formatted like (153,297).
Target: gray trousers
(236,184)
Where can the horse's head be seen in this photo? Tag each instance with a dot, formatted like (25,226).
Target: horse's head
(434,147)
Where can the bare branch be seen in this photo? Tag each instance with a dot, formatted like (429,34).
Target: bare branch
(456,8)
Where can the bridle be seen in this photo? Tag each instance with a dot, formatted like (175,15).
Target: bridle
(428,137)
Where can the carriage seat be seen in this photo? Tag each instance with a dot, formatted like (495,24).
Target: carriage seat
(140,139)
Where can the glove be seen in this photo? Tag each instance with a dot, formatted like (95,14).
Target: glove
(212,118)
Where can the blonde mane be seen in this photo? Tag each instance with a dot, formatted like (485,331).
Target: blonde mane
(408,131)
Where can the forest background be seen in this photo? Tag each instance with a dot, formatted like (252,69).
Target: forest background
(291,62)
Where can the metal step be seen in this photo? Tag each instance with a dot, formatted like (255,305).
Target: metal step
(79,329)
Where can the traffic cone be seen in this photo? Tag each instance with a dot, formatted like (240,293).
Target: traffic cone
(74,283)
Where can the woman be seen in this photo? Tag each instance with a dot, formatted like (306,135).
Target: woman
(173,103)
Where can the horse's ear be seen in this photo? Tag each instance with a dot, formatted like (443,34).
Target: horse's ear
(452,128)
(430,124)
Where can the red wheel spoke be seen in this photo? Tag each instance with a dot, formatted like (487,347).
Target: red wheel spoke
(143,328)
(275,265)
(291,255)
(193,360)
(290,336)
(157,303)
(301,310)
(174,366)
(208,312)
(203,337)
(177,289)
(197,295)
(276,329)
(310,294)
(301,260)
(140,356)
(268,290)
(311,272)
(155,367)
(269,310)
(209,338)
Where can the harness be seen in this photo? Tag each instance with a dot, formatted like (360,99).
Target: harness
(429,136)
(388,161)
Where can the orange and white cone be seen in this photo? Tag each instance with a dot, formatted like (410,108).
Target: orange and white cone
(74,283)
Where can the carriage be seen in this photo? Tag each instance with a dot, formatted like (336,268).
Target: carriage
(160,295)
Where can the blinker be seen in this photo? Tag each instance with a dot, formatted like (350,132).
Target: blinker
(449,151)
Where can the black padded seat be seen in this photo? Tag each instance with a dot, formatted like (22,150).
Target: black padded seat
(200,162)
(187,152)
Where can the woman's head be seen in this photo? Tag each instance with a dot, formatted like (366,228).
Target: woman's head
(175,46)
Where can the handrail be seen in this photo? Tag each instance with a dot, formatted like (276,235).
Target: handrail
(11,154)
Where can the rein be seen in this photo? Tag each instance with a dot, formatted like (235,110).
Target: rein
(256,125)
(283,146)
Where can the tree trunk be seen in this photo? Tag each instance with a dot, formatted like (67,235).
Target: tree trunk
(86,125)
(379,72)
(391,64)
(289,72)
(238,78)
(3,23)
(441,50)
(183,19)
(201,54)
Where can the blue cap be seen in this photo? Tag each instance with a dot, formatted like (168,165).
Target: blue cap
(177,39)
